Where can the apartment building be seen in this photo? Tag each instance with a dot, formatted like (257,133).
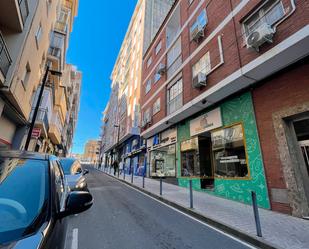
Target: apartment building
(24,40)
(91,152)
(224,100)
(73,88)
(51,124)
(122,115)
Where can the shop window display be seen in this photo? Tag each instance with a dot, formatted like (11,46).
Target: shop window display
(229,152)
(189,158)
(163,161)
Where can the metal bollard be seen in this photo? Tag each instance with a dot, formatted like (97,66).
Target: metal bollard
(143,180)
(161,186)
(132,176)
(191,193)
(118,172)
(256,214)
(124,175)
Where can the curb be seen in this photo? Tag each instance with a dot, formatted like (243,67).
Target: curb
(255,241)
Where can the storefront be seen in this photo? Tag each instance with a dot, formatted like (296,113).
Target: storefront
(219,149)
(162,154)
(133,158)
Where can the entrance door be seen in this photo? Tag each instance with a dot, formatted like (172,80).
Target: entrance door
(304,146)
(301,128)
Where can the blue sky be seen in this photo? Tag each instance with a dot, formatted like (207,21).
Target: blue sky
(97,35)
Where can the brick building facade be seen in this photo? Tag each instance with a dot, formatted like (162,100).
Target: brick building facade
(202,80)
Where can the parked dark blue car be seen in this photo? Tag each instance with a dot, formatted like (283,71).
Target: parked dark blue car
(34,201)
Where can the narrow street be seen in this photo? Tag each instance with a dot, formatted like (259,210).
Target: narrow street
(122,217)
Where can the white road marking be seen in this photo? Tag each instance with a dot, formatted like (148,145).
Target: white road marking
(193,218)
(75,239)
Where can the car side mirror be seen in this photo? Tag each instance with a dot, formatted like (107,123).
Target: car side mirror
(77,202)
(85,172)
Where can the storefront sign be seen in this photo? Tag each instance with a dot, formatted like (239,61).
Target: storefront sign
(191,144)
(163,139)
(36,132)
(208,121)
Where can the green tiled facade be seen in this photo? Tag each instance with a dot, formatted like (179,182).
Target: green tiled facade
(237,110)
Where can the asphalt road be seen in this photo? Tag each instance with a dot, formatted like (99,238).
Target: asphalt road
(122,217)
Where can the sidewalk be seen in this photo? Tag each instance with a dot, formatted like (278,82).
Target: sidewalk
(279,230)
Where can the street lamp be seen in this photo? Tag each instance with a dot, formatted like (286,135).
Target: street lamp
(35,113)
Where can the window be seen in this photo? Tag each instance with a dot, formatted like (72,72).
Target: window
(156,106)
(229,152)
(157,77)
(25,191)
(38,35)
(173,26)
(60,187)
(190,1)
(148,86)
(26,75)
(149,61)
(199,25)
(202,66)
(202,18)
(163,161)
(174,97)
(146,116)
(190,165)
(158,47)
(174,59)
(269,13)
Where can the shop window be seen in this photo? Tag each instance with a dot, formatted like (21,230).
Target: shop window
(229,152)
(163,161)
(189,158)
(269,13)
(174,97)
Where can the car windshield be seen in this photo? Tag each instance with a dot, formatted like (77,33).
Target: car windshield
(70,166)
(23,196)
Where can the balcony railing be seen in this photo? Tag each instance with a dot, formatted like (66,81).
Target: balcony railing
(5,59)
(61,26)
(56,121)
(24,10)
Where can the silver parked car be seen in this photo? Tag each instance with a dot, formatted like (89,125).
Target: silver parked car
(74,173)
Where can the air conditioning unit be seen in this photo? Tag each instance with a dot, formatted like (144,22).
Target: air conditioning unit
(199,80)
(196,32)
(262,34)
(161,69)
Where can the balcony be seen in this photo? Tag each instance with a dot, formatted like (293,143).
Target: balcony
(5,60)
(41,121)
(13,14)
(61,27)
(55,129)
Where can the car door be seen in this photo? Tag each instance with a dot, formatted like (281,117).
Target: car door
(57,231)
